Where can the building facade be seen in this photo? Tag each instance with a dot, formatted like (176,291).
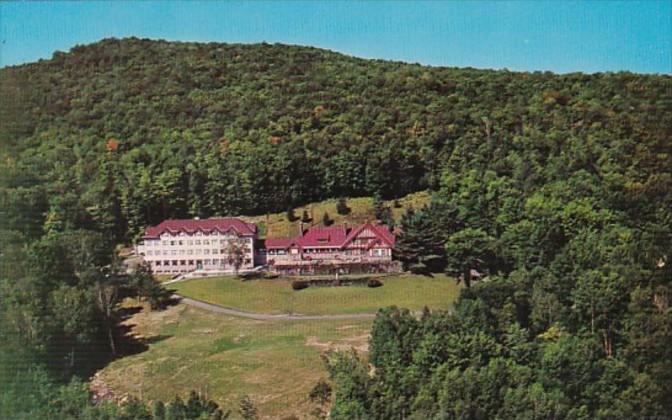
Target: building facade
(182,246)
(369,243)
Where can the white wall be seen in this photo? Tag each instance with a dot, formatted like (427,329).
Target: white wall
(210,249)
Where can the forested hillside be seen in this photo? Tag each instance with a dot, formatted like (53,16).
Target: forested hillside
(122,133)
(557,189)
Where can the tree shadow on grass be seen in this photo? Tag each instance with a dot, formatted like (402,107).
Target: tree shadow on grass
(127,340)
(130,343)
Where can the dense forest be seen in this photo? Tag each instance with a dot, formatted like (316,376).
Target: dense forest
(552,203)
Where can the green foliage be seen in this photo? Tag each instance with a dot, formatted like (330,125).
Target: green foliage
(565,208)
(466,250)
(146,287)
(559,187)
(420,246)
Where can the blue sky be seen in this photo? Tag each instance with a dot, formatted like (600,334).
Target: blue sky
(559,36)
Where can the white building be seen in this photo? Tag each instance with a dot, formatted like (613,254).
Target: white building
(181,246)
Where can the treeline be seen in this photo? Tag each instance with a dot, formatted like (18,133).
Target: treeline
(60,321)
(124,133)
(564,245)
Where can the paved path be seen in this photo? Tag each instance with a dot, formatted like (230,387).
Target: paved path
(266,317)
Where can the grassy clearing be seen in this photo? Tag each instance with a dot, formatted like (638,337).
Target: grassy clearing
(361,210)
(276,363)
(276,296)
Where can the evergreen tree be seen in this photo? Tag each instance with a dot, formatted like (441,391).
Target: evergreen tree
(342,207)
(291,217)
(326,220)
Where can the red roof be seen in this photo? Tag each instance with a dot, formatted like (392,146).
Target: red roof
(281,243)
(332,237)
(205,225)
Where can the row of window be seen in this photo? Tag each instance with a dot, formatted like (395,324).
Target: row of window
(214,261)
(187,242)
(213,251)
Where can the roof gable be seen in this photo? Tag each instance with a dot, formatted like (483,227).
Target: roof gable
(381,233)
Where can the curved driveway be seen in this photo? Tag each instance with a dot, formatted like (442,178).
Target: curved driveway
(266,317)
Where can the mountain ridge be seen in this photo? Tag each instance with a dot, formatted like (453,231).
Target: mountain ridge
(159,129)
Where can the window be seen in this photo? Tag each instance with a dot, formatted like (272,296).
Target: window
(222,241)
(164,242)
(191,262)
(174,262)
(215,251)
(149,252)
(190,242)
(166,262)
(198,252)
(183,262)
(173,252)
(215,262)
(206,242)
(172,243)
(190,251)
(165,252)
(206,251)
(197,242)
(179,242)
(206,262)
(181,251)
(247,260)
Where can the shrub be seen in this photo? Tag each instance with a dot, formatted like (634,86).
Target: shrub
(342,207)
(251,275)
(300,284)
(374,283)
(326,220)
(290,214)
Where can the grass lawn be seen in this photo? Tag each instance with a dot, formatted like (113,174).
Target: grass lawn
(276,296)
(361,210)
(276,363)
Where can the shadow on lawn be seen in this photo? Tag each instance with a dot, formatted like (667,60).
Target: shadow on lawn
(127,341)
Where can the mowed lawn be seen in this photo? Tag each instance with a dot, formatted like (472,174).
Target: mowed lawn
(277,296)
(276,363)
